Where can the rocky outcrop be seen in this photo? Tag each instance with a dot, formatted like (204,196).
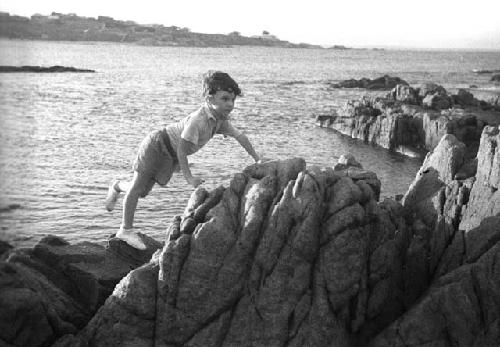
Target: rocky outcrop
(295,256)
(40,69)
(286,255)
(412,121)
(385,82)
(55,288)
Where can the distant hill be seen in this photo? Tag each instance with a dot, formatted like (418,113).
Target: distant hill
(70,27)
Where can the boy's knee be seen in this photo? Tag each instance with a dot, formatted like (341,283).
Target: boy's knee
(140,191)
(144,193)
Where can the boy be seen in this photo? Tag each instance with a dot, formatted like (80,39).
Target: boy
(162,151)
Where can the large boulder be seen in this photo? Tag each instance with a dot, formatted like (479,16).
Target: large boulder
(55,288)
(256,264)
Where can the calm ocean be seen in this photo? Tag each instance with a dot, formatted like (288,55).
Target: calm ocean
(65,136)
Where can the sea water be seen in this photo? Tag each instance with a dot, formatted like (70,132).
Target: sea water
(65,136)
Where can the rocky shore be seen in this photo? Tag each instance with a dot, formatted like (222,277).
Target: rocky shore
(413,120)
(287,255)
(41,69)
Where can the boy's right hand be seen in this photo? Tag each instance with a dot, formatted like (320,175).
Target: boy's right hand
(195,181)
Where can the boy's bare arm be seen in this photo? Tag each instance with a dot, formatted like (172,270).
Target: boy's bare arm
(182,150)
(245,143)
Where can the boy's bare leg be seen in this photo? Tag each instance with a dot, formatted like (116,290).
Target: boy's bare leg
(139,185)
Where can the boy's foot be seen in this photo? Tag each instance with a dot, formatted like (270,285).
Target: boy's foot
(112,197)
(131,238)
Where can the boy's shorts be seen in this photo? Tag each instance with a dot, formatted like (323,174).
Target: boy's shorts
(154,160)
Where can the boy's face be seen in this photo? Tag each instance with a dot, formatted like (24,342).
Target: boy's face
(222,103)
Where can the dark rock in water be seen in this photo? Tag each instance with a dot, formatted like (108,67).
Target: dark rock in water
(382,83)
(430,89)
(464,98)
(437,101)
(55,288)
(485,71)
(42,69)
(495,78)
(9,207)
(325,120)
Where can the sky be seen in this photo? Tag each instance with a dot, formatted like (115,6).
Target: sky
(436,24)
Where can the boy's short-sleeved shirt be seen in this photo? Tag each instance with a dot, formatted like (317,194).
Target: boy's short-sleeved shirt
(198,128)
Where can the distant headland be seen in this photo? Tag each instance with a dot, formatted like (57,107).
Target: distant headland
(71,27)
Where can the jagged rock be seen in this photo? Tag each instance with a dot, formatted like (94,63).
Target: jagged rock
(345,161)
(324,120)
(461,308)
(462,305)
(484,200)
(408,127)
(465,126)
(446,158)
(388,128)
(405,94)
(55,288)
(412,121)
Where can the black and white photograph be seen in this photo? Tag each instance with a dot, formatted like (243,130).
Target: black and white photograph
(258,173)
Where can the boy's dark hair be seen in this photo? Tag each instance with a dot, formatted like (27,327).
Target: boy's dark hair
(214,81)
